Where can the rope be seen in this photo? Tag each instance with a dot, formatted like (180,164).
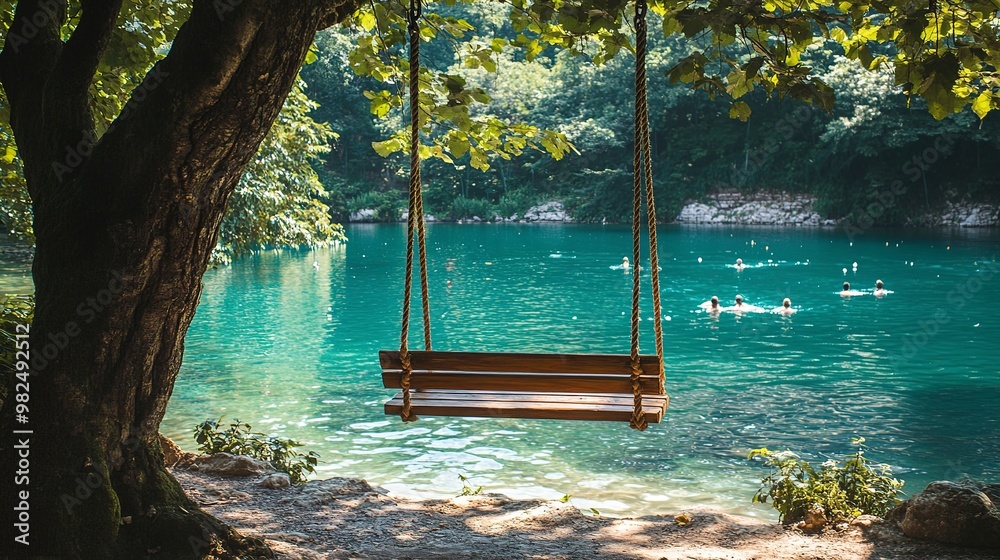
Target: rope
(642,116)
(414,219)
(638,420)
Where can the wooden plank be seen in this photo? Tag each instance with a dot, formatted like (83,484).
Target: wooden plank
(426,405)
(524,382)
(617,364)
(515,397)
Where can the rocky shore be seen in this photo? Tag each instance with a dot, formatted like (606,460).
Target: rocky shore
(765,208)
(348,518)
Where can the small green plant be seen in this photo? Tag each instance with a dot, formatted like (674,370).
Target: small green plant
(464,208)
(467,489)
(240,439)
(844,492)
(568,499)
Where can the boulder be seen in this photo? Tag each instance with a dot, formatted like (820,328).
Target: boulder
(964,513)
(363,215)
(815,519)
(173,455)
(227,464)
(276,480)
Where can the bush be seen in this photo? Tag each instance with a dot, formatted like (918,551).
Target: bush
(240,440)
(463,208)
(844,492)
(515,202)
(387,205)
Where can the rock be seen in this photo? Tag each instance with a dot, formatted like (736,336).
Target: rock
(227,464)
(815,519)
(865,521)
(276,480)
(548,212)
(363,215)
(956,513)
(173,455)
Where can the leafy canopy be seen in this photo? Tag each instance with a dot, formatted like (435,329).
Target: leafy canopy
(279,199)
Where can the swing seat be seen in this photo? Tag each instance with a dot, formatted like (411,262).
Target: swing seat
(507,385)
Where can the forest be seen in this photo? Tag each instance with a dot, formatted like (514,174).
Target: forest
(873,135)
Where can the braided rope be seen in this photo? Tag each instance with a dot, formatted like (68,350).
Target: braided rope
(638,420)
(642,117)
(414,219)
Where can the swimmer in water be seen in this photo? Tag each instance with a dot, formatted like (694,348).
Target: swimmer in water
(847,292)
(739,264)
(738,306)
(712,305)
(625,264)
(786,308)
(879,289)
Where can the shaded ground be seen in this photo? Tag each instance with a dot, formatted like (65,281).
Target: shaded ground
(346,518)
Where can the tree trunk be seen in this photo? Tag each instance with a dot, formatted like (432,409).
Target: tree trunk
(124,227)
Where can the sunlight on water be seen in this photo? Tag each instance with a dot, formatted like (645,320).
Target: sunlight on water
(293,350)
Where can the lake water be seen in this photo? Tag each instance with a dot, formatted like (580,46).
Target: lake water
(293,350)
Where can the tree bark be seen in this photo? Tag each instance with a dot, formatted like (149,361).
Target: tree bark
(125,225)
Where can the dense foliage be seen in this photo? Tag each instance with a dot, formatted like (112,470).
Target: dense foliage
(524,102)
(844,492)
(857,131)
(279,202)
(240,439)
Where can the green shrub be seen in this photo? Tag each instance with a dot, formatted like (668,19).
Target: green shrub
(844,492)
(387,205)
(515,202)
(463,208)
(239,439)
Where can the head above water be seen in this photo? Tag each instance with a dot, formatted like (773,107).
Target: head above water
(739,299)
(715,301)
(786,303)
(878,284)
(739,261)
(847,286)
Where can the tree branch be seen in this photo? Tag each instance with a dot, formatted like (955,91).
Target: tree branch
(86,46)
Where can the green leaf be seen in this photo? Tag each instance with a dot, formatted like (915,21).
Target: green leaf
(739,110)
(981,106)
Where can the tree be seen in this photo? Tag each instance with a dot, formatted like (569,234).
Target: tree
(127,213)
(125,218)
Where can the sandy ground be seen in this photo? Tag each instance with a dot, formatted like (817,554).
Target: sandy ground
(347,518)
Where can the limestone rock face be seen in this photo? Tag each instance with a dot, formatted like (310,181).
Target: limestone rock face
(956,513)
(548,212)
(227,464)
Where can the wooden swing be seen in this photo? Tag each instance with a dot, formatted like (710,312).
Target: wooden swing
(510,385)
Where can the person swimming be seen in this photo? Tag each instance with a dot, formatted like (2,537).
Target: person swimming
(625,265)
(848,292)
(739,264)
(712,305)
(786,308)
(879,289)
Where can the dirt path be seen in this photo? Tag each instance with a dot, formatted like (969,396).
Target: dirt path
(346,518)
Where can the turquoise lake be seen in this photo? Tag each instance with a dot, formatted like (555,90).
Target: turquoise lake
(292,349)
